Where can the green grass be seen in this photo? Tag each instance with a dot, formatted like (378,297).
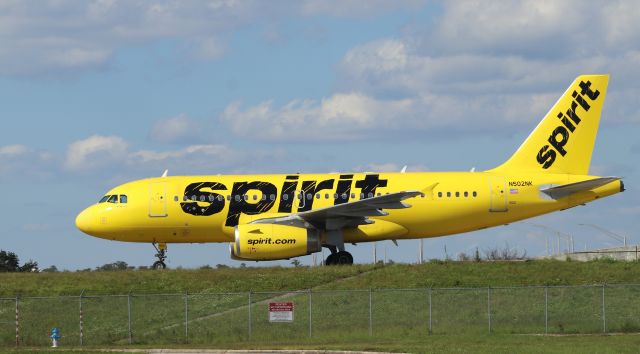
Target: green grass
(430,344)
(218,311)
(433,274)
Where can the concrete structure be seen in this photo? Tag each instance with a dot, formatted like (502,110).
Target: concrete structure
(628,253)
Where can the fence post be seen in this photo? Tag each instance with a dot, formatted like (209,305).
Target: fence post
(129,317)
(546,309)
(310,320)
(604,317)
(186,317)
(489,306)
(249,314)
(370,312)
(430,313)
(81,320)
(17,321)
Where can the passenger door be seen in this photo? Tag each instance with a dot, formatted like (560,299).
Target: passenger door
(498,199)
(158,200)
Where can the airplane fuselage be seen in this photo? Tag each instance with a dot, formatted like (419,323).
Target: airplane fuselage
(198,209)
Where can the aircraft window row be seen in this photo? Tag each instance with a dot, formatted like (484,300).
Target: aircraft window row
(114,199)
(272,197)
(458,194)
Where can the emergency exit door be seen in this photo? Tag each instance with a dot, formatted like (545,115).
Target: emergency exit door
(158,200)
(498,200)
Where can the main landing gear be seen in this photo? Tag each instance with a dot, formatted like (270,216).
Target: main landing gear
(338,257)
(161,248)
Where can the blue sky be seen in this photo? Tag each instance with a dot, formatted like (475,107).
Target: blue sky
(96,93)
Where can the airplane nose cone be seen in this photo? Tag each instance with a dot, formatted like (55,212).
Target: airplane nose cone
(85,221)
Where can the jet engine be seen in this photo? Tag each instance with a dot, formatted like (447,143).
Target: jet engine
(262,242)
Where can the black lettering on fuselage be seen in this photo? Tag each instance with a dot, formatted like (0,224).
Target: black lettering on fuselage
(309,190)
(200,200)
(239,205)
(343,189)
(369,184)
(195,192)
(288,194)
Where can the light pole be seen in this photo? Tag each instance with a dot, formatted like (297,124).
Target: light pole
(608,233)
(559,234)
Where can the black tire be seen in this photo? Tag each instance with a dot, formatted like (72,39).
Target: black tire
(331,259)
(159,265)
(343,258)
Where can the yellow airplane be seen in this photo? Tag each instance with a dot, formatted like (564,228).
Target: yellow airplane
(269,217)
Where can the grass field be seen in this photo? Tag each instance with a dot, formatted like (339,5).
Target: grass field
(215,313)
(432,274)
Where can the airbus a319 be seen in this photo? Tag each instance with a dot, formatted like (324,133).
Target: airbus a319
(270,217)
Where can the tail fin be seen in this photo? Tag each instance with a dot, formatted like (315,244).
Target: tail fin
(563,141)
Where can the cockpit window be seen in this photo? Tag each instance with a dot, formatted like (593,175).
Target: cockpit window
(123,199)
(113,199)
(104,199)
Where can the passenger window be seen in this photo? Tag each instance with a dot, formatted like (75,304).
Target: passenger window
(255,197)
(335,196)
(285,197)
(228,197)
(175,199)
(203,198)
(309,196)
(194,198)
(211,198)
(245,196)
(326,196)
(104,199)
(123,199)
(344,196)
(475,194)
(370,195)
(353,196)
(237,197)
(457,194)
(272,197)
(448,194)
(466,194)
(439,194)
(113,199)
(361,195)
(220,198)
(379,194)
(318,196)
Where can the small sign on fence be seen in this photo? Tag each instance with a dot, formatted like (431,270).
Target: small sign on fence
(281,312)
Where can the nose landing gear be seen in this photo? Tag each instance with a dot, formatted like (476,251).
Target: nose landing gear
(161,248)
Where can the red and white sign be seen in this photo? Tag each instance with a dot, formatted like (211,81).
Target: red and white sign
(281,312)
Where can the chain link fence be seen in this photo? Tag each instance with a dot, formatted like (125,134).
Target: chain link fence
(331,314)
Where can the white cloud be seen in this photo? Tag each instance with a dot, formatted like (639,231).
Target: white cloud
(21,161)
(50,37)
(95,151)
(356,8)
(13,150)
(177,129)
(478,68)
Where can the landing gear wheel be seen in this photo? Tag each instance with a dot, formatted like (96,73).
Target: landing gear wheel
(331,259)
(161,255)
(339,258)
(343,257)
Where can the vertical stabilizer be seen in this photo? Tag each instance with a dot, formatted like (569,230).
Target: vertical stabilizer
(563,141)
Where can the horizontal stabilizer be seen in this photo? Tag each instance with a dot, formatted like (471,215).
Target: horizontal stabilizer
(566,190)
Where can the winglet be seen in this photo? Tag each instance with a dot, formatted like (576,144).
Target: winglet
(165,173)
(429,189)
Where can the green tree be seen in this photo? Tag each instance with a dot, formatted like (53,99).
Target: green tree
(9,262)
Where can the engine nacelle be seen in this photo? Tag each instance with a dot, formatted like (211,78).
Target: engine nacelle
(260,242)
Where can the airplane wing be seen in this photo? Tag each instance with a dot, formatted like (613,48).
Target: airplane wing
(566,190)
(349,214)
